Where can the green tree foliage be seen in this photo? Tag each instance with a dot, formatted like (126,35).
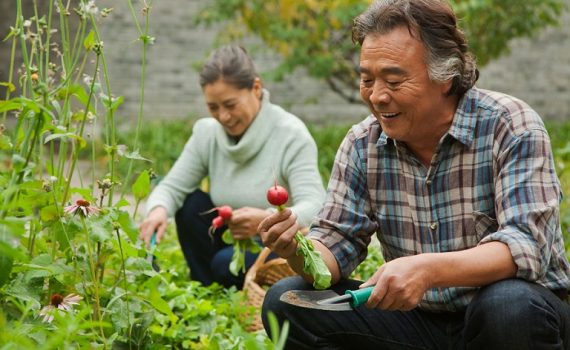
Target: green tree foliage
(316,34)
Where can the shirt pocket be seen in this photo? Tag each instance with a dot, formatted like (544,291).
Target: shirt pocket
(484,225)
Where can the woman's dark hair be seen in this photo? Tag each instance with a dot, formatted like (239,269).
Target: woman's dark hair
(231,64)
(435,22)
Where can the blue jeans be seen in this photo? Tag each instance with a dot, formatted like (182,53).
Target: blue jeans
(208,259)
(510,314)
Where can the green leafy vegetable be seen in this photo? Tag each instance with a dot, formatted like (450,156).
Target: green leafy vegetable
(314,265)
(241,246)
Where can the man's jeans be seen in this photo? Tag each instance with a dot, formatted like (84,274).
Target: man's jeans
(510,314)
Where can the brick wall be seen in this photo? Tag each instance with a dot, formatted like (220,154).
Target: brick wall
(537,70)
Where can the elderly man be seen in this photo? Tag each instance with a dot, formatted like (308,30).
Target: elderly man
(459,185)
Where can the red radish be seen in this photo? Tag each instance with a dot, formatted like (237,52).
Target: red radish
(225,211)
(277,195)
(217,222)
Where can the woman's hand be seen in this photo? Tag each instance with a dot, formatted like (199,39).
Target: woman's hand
(278,233)
(156,221)
(244,221)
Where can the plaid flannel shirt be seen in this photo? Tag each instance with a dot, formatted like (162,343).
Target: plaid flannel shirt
(492,178)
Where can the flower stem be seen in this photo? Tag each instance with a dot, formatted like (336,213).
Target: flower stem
(94,280)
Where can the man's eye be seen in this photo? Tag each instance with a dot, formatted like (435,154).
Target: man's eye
(366,81)
(393,84)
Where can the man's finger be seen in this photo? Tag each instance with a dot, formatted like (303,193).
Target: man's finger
(271,220)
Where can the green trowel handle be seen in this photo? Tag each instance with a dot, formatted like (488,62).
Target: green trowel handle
(359,296)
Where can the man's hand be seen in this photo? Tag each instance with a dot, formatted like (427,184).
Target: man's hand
(156,221)
(400,284)
(245,221)
(278,231)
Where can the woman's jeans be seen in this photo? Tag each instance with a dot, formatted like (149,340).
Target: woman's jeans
(507,315)
(207,258)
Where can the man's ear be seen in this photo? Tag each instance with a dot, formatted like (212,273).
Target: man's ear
(446,87)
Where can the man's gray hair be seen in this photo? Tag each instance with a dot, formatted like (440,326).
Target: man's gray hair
(435,23)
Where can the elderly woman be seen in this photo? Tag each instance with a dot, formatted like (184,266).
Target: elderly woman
(247,145)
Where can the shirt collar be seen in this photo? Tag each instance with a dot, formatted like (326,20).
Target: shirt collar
(465,119)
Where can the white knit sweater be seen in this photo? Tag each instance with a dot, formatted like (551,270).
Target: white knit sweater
(276,145)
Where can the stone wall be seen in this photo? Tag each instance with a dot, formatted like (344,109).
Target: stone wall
(537,70)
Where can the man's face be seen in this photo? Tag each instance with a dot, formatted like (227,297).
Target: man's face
(394,83)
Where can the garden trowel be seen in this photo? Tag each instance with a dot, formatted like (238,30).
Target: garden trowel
(327,299)
(150,254)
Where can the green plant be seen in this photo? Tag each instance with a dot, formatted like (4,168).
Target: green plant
(73,273)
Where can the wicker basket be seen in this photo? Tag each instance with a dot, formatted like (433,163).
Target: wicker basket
(263,273)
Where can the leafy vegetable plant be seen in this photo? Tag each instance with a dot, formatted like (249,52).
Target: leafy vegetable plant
(314,264)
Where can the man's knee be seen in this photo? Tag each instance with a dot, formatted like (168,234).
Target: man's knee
(271,302)
(510,309)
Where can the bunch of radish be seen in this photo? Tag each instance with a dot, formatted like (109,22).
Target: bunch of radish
(240,246)
(314,264)
(224,215)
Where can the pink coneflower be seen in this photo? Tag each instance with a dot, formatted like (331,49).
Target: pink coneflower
(57,303)
(81,206)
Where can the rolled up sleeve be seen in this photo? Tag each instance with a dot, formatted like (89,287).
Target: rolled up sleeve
(527,201)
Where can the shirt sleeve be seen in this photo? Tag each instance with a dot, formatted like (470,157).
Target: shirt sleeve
(526,200)
(345,223)
(185,175)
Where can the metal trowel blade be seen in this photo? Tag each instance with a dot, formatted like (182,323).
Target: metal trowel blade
(315,299)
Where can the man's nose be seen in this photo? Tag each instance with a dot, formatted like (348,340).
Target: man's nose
(380,94)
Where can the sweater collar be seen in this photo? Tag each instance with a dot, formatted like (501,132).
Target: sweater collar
(254,137)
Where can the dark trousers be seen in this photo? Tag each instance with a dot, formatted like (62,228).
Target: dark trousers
(508,315)
(207,258)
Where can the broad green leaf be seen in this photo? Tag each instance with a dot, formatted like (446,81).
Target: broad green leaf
(141,187)
(70,135)
(128,225)
(9,105)
(136,155)
(49,213)
(314,264)
(79,93)
(162,306)
(101,229)
(6,264)
(10,86)
(89,41)
(5,143)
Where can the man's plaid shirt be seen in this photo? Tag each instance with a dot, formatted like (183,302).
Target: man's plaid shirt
(492,178)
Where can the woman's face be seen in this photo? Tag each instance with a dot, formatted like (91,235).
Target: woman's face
(234,108)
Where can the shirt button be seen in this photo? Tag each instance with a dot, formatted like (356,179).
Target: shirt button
(428,182)
(433,226)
